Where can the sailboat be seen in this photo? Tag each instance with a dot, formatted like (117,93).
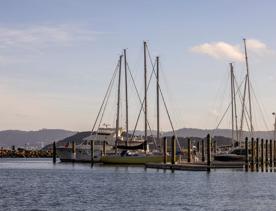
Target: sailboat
(142,155)
(237,152)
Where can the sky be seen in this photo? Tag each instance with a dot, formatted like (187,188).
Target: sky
(57,57)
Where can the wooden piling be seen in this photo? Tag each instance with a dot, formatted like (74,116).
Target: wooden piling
(173,150)
(92,151)
(271,155)
(104,148)
(165,150)
(274,153)
(208,152)
(202,151)
(252,155)
(189,150)
(266,155)
(246,154)
(198,146)
(73,151)
(215,147)
(257,154)
(262,155)
(54,153)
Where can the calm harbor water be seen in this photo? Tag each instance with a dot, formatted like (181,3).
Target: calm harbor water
(37,184)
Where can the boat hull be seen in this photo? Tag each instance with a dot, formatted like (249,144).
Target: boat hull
(229,157)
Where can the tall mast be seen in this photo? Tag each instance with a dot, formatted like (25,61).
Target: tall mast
(232,102)
(248,85)
(235,108)
(145,81)
(118,103)
(157,98)
(126,93)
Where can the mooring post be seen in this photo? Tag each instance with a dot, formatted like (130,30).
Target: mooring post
(262,154)
(104,148)
(73,151)
(246,154)
(202,151)
(208,152)
(165,150)
(271,155)
(54,152)
(198,146)
(252,155)
(274,153)
(266,155)
(189,150)
(173,150)
(257,154)
(92,151)
(215,146)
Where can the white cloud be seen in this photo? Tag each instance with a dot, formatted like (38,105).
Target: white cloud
(44,35)
(223,50)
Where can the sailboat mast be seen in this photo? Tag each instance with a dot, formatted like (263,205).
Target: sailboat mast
(232,102)
(126,93)
(145,84)
(118,103)
(248,84)
(157,98)
(235,108)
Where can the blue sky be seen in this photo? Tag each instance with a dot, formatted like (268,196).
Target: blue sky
(56,58)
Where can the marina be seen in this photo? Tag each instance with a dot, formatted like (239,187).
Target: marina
(137,105)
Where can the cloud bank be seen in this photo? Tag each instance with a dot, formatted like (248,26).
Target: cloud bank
(223,50)
(42,35)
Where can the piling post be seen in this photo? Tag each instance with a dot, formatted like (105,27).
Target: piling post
(274,152)
(257,154)
(92,151)
(173,150)
(73,151)
(252,155)
(246,154)
(189,150)
(266,155)
(198,146)
(54,153)
(271,155)
(104,148)
(165,150)
(202,151)
(262,155)
(215,146)
(208,152)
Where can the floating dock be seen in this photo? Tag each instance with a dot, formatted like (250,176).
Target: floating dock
(196,166)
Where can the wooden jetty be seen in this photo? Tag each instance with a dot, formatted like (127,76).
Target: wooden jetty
(257,157)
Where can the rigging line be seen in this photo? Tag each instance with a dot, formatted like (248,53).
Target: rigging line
(109,87)
(164,102)
(226,110)
(260,106)
(106,102)
(245,109)
(142,103)
(105,107)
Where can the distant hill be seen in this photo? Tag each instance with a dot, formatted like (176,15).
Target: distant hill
(201,133)
(47,136)
(77,138)
(38,138)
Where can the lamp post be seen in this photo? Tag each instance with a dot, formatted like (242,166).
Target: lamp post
(274,134)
